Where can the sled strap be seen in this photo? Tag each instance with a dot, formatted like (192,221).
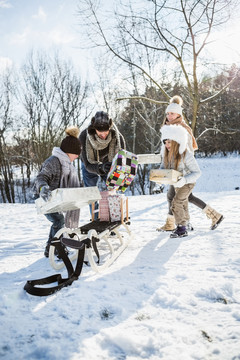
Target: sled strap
(73,275)
(75,244)
(94,244)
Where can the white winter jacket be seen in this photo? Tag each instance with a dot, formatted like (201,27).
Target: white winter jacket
(188,166)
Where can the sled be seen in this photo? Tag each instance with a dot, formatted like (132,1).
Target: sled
(164,176)
(104,241)
(83,242)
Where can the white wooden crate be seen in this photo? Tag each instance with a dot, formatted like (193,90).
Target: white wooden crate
(164,176)
(149,158)
(68,199)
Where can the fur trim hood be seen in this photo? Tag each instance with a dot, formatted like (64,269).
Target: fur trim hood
(176,133)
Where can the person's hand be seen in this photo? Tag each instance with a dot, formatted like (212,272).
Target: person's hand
(180,183)
(105,167)
(45,193)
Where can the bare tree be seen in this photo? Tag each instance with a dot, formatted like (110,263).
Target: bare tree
(106,88)
(53,97)
(71,93)
(217,123)
(177,32)
(6,120)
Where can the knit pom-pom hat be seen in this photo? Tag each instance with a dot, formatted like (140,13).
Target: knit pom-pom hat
(71,143)
(176,133)
(175,105)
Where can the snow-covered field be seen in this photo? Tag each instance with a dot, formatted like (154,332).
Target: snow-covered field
(161,299)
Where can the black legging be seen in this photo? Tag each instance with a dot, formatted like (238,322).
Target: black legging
(192,199)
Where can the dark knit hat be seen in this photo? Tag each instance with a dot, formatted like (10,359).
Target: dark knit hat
(71,144)
(101,121)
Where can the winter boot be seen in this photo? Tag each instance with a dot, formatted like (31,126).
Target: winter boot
(215,216)
(169,225)
(189,227)
(180,231)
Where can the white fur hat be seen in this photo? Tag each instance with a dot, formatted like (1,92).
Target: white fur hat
(176,133)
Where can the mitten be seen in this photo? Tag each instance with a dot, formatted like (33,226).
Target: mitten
(105,167)
(180,183)
(45,193)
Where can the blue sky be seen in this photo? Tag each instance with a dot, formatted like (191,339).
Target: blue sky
(53,24)
(38,24)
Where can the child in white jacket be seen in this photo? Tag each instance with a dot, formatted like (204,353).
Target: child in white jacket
(176,155)
(174,116)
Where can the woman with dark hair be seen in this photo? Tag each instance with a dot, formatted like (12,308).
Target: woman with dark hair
(100,143)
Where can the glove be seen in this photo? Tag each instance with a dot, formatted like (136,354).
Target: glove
(180,183)
(105,167)
(45,193)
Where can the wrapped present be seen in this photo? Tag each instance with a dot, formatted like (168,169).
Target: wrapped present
(68,199)
(104,214)
(117,207)
(149,158)
(123,170)
(164,176)
(112,206)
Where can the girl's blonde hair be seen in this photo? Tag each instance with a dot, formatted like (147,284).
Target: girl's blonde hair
(172,157)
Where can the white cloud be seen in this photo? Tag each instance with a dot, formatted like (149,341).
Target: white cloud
(20,38)
(5,4)
(60,37)
(5,63)
(41,15)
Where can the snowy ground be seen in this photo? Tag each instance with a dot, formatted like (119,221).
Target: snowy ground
(162,299)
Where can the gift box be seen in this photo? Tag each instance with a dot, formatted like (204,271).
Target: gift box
(122,171)
(117,207)
(149,158)
(68,199)
(164,176)
(112,206)
(104,214)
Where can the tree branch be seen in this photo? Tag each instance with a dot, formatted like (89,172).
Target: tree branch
(142,98)
(123,58)
(220,91)
(218,131)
